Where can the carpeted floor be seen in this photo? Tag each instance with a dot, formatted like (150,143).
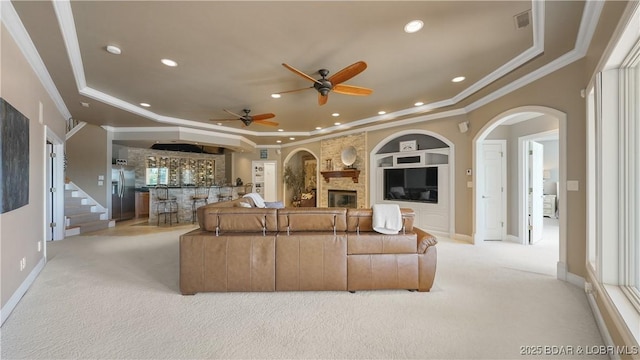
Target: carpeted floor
(115,295)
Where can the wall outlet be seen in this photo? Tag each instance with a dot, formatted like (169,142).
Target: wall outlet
(23,263)
(39,246)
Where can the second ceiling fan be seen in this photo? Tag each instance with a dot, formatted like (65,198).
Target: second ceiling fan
(248,119)
(334,82)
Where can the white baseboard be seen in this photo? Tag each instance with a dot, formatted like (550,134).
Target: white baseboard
(604,331)
(564,275)
(463,237)
(513,239)
(8,308)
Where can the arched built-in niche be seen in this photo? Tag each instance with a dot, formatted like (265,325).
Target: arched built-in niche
(414,169)
(303,160)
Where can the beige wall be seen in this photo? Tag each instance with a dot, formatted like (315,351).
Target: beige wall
(22,229)
(88,158)
(241,166)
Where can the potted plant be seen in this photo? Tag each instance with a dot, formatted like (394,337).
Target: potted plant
(294,181)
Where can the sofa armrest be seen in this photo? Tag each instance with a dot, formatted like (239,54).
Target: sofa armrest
(425,240)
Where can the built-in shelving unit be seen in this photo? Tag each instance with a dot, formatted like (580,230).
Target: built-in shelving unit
(412,175)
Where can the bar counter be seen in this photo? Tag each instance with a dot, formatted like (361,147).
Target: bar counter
(183,197)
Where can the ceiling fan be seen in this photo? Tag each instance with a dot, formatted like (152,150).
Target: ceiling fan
(248,119)
(333,83)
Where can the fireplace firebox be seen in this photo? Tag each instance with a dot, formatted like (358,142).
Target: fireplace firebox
(343,198)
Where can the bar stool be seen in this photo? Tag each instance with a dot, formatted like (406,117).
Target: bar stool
(165,204)
(200,193)
(226,193)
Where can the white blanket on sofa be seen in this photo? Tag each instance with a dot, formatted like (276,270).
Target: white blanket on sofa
(386,218)
(257,199)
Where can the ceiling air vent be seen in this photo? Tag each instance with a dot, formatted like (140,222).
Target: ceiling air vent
(523,19)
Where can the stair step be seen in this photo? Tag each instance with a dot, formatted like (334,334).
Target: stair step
(79,219)
(76,209)
(94,226)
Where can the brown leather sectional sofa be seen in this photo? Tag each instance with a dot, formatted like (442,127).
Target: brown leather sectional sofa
(293,249)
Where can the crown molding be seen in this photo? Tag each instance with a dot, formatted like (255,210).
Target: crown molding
(16,29)
(591,13)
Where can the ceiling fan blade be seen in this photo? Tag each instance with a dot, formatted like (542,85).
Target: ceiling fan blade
(348,72)
(352,90)
(263,117)
(234,114)
(290,91)
(322,99)
(300,73)
(266,122)
(224,119)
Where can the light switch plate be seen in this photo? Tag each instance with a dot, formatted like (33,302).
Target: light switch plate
(469,184)
(573,185)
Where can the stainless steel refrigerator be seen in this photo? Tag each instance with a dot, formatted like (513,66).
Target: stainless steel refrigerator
(123,195)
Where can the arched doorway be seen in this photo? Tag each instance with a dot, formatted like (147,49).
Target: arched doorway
(478,163)
(302,162)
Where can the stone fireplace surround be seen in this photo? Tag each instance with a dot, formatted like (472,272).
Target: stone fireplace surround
(332,149)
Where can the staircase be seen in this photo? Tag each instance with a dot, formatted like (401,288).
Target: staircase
(83,214)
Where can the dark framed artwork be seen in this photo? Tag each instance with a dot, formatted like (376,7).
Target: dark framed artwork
(14,158)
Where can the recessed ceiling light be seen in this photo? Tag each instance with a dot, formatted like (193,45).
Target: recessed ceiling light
(276,96)
(419,103)
(381,112)
(336,123)
(145,105)
(220,124)
(318,128)
(458,79)
(114,50)
(278,141)
(84,104)
(169,62)
(413,26)
(335,114)
(292,138)
(280,130)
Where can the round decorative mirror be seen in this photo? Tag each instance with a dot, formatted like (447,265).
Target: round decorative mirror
(348,156)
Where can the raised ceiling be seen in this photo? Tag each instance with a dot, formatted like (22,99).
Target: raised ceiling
(230,56)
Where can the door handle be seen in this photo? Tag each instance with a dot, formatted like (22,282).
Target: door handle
(121,183)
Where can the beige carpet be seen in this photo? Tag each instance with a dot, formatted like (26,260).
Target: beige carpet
(107,296)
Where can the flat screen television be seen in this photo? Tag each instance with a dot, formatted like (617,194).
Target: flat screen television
(411,184)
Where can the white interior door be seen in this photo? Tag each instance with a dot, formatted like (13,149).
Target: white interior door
(535,190)
(270,190)
(493,190)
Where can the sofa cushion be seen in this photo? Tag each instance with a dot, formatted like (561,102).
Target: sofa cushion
(239,219)
(375,243)
(311,260)
(312,219)
(382,271)
(360,219)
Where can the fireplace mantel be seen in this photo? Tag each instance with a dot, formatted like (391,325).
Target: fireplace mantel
(352,173)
